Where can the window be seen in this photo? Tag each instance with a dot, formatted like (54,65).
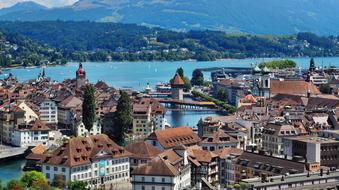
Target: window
(55,168)
(162,188)
(153,188)
(63,169)
(142,179)
(47,175)
(163,180)
(47,167)
(153,180)
(142,187)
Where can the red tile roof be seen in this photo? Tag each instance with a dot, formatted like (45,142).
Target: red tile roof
(81,150)
(143,150)
(294,87)
(177,80)
(173,137)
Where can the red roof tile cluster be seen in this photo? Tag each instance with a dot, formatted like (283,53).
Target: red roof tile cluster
(173,137)
(177,80)
(81,150)
(219,137)
(143,150)
(294,87)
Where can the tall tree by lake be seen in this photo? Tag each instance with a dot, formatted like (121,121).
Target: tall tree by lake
(88,108)
(123,118)
(197,78)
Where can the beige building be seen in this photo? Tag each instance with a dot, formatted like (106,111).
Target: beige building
(273,134)
(10,116)
(30,115)
(148,116)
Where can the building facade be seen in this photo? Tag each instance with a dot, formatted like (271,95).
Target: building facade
(31,134)
(96,160)
(48,111)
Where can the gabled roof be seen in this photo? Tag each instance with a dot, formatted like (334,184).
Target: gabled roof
(202,155)
(219,137)
(80,151)
(177,80)
(225,152)
(319,102)
(270,164)
(37,153)
(143,150)
(36,125)
(294,87)
(156,167)
(172,137)
(70,102)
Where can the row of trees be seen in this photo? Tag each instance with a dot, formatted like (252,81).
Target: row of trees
(279,64)
(37,181)
(196,80)
(94,41)
(122,119)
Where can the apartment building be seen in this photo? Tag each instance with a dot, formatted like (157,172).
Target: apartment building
(96,160)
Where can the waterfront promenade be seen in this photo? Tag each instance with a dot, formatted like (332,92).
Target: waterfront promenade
(8,152)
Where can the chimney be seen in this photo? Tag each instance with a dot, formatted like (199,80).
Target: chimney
(308,93)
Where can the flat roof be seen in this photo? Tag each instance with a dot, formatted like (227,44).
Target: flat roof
(295,178)
(313,139)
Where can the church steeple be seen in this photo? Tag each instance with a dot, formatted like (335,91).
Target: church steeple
(312,65)
(43,75)
(80,77)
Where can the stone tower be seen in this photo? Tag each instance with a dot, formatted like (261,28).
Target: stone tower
(177,87)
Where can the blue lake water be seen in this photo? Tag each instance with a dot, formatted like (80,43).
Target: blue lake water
(138,74)
(11,169)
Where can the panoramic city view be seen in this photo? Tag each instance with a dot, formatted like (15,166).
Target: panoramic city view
(169,94)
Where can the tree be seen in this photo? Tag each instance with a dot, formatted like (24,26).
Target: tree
(197,78)
(180,71)
(59,181)
(325,88)
(221,95)
(187,83)
(88,108)
(122,118)
(34,179)
(1,185)
(77,185)
(15,185)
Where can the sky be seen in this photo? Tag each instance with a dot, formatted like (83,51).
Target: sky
(48,3)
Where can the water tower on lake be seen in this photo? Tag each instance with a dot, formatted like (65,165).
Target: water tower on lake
(177,87)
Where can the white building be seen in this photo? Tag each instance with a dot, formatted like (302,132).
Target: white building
(81,130)
(168,171)
(31,134)
(48,112)
(96,160)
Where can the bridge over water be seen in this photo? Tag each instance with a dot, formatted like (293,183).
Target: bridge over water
(189,105)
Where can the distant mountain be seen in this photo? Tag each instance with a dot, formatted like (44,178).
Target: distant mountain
(26,7)
(244,16)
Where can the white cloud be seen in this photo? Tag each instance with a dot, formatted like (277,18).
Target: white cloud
(48,3)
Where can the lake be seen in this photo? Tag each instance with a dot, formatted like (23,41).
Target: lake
(137,74)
